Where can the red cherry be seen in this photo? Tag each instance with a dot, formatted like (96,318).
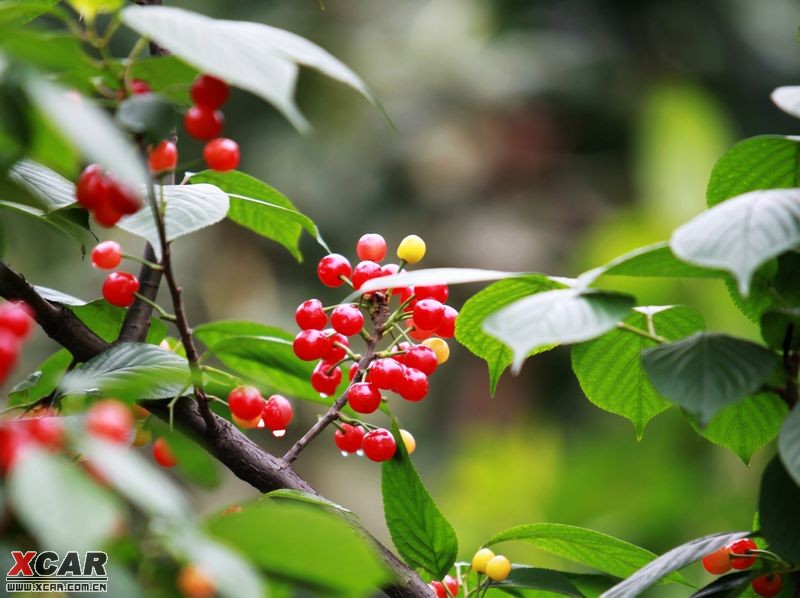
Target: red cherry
(17,318)
(221,154)
(718,562)
(741,547)
(428,314)
(349,438)
(365,271)
(768,585)
(421,358)
(119,288)
(139,87)
(353,371)
(164,157)
(439,292)
(331,268)
(162,453)
(92,188)
(107,255)
(45,430)
(402,348)
(105,214)
(371,247)
(325,378)
(203,123)
(415,332)
(209,91)
(9,348)
(347,320)
(363,397)
(438,588)
(277,413)
(110,420)
(13,441)
(379,445)
(333,353)
(448,326)
(310,345)
(245,402)
(414,385)
(451,584)
(310,315)
(122,199)
(385,373)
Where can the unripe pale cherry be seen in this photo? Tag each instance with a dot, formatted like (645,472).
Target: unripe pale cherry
(422,358)
(347,319)
(414,385)
(385,373)
(163,157)
(110,420)
(428,314)
(409,441)
(163,454)
(363,397)
(481,559)
(107,255)
(203,123)
(221,154)
(379,445)
(498,568)
(371,247)
(448,326)
(364,271)
(325,378)
(245,402)
(310,315)
(277,414)
(440,292)
(411,249)
(119,288)
(332,268)
(439,347)
(310,345)
(17,318)
(209,91)
(349,438)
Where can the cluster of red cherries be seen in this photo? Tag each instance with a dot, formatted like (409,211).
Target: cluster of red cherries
(16,323)
(119,288)
(107,199)
(739,555)
(447,588)
(403,367)
(250,410)
(204,121)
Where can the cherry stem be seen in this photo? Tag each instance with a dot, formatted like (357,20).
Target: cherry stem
(161,311)
(643,333)
(141,260)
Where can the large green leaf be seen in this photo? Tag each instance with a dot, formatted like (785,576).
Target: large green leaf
(763,162)
(60,505)
(777,509)
(655,260)
(131,371)
(545,580)
(469,331)
(708,371)
(255,57)
(421,534)
(670,562)
(741,234)
(262,209)
(789,444)
(167,75)
(747,425)
(189,208)
(560,316)
(64,221)
(304,544)
(105,320)
(41,382)
(50,189)
(770,288)
(587,547)
(18,12)
(610,371)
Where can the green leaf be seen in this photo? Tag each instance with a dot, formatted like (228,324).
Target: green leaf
(41,382)
(547,580)
(105,320)
(655,260)
(147,114)
(59,54)
(561,316)
(18,12)
(610,371)
(195,464)
(50,189)
(587,547)
(789,444)
(747,425)
(775,325)
(167,75)
(60,221)
(770,289)
(131,371)
(727,586)
(91,8)
(778,513)
(59,505)
(307,497)
(275,536)
(189,208)
(787,98)
(670,562)
(762,162)
(708,371)
(741,234)
(257,58)
(262,209)
(421,534)
(436,276)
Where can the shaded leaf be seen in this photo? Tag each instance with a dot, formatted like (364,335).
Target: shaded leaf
(299,495)
(789,444)
(51,189)
(56,220)
(147,114)
(43,381)
(19,12)
(105,320)
(547,580)
(777,509)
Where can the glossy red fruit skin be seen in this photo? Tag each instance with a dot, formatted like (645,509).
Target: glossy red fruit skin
(421,358)
(245,402)
(371,247)
(363,397)
(221,154)
(451,584)
(717,562)
(416,333)
(203,123)
(92,187)
(277,413)
(123,199)
(209,91)
(310,315)
(46,431)
(379,445)
(364,271)
(414,386)
(9,349)
(139,87)
(13,441)
(741,547)
(349,438)
(163,455)
(347,320)
(310,345)
(438,589)
(769,585)
(119,287)
(440,292)
(448,326)
(385,373)
(17,318)
(323,382)
(353,371)
(163,157)
(407,294)
(331,267)
(428,314)
(333,353)
(107,255)
(105,214)
(111,421)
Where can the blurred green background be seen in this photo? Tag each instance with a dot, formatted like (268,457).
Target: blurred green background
(547,136)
